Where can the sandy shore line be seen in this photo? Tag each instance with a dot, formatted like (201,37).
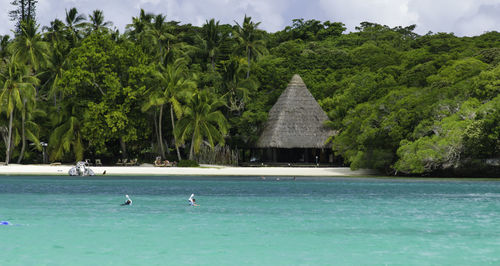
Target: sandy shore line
(204,170)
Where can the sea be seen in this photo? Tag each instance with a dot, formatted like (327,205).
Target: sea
(248,221)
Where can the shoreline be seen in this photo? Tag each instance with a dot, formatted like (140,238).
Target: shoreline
(203,170)
(208,171)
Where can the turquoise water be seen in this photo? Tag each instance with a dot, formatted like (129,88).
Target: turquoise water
(76,221)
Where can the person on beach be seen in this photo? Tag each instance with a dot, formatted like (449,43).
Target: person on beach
(128,201)
(192,201)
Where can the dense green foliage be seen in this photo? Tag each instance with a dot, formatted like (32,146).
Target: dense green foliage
(400,102)
(188,163)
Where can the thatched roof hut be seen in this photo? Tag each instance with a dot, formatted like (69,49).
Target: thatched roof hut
(295,121)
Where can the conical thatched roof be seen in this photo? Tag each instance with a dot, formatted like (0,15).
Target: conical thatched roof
(295,121)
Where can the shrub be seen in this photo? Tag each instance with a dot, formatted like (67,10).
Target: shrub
(188,163)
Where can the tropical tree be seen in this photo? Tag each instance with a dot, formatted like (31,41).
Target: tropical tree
(97,21)
(4,52)
(54,32)
(212,37)
(24,11)
(29,47)
(156,99)
(139,25)
(17,89)
(74,24)
(29,128)
(237,88)
(60,41)
(250,40)
(162,38)
(57,63)
(66,137)
(97,80)
(174,82)
(201,120)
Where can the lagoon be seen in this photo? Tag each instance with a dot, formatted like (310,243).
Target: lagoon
(248,221)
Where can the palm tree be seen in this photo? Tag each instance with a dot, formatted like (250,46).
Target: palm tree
(74,23)
(201,120)
(97,21)
(29,102)
(175,83)
(237,88)
(116,36)
(29,47)
(4,52)
(67,136)
(17,89)
(54,32)
(156,99)
(160,34)
(29,129)
(212,38)
(139,25)
(57,62)
(250,40)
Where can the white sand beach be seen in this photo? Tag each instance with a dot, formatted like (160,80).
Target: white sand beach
(204,170)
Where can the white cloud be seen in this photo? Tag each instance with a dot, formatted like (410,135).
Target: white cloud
(227,11)
(387,12)
(463,17)
(5,24)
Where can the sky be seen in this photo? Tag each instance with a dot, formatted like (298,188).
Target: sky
(461,17)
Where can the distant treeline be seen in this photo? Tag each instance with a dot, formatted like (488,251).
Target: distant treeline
(402,103)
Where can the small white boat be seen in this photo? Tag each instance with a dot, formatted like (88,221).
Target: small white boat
(81,169)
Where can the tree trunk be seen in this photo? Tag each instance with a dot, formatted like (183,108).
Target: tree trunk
(213,62)
(191,149)
(23,13)
(173,130)
(29,10)
(123,145)
(155,131)
(160,133)
(9,139)
(23,147)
